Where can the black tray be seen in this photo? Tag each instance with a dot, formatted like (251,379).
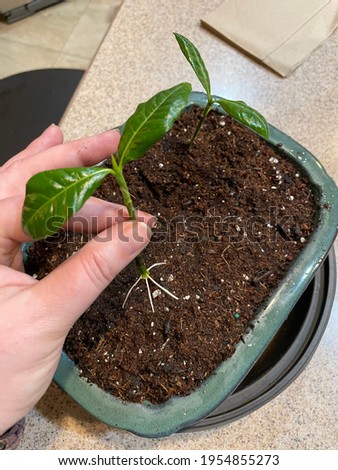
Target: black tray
(286,356)
(30,102)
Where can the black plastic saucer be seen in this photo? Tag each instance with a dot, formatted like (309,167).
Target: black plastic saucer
(286,356)
(30,102)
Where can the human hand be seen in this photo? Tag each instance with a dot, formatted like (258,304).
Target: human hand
(34,317)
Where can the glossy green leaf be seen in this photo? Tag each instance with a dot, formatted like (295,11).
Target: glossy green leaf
(246,115)
(151,121)
(194,58)
(55,195)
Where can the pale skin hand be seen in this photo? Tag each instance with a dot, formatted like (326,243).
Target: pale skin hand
(35,316)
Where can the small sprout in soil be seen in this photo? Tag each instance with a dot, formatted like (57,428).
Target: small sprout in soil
(53,196)
(237,109)
(236,315)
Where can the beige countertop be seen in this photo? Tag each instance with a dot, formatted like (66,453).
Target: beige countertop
(137,58)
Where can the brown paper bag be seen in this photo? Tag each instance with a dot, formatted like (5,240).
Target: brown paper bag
(279,33)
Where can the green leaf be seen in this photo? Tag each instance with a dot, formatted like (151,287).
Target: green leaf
(195,60)
(151,121)
(246,115)
(55,195)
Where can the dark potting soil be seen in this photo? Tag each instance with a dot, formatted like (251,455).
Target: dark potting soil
(233,213)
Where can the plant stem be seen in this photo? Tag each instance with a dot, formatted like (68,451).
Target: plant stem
(143,270)
(118,172)
(204,115)
(125,193)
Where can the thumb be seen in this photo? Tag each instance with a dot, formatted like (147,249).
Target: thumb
(72,287)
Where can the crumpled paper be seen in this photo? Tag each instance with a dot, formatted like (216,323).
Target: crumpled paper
(279,33)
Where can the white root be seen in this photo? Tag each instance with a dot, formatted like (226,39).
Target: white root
(130,291)
(148,278)
(150,296)
(163,288)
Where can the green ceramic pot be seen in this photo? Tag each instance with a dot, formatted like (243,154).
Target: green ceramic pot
(150,420)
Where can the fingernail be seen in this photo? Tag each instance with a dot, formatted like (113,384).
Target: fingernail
(137,235)
(151,221)
(112,132)
(51,126)
(113,137)
(116,129)
(148,219)
(54,133)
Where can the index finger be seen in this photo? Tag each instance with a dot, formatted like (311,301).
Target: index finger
(86,151)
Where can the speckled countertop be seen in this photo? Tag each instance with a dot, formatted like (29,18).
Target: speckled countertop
(137,58)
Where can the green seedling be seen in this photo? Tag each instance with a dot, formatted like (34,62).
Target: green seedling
(53,196)
(237,109)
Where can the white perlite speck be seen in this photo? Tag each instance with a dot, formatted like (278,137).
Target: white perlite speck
(156,293)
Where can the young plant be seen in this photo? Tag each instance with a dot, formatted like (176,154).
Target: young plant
(53,196)
(237,109)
